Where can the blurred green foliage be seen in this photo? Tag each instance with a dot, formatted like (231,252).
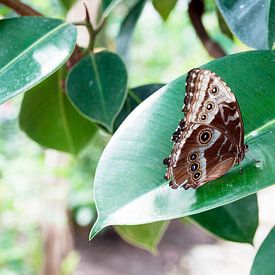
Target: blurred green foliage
(160,52)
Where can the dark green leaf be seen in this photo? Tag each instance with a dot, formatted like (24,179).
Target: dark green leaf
(32,48)
(237,221)
(127,28)
(145,236)
(132,161)
(48,117)
(164,7)
(97,87)
(264,261)
(135,97)
(253,22)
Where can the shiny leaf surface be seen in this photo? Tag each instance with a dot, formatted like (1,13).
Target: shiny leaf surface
(237,221)
(145,236)
(97,87)
(164,7)
(132,161)
(135,97)
(253,22)
(127,28)
(264,261)
(48,117)
(32,48)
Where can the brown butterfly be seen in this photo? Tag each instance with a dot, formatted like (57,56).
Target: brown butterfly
(210,139)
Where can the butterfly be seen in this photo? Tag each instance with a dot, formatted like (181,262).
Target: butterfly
(210,138)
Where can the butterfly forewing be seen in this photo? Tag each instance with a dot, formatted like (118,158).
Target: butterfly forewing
(210,140)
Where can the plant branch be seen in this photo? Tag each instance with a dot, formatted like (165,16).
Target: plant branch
(195,11)
(20,8)
(93,31)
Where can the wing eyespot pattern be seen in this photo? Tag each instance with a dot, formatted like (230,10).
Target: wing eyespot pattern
(205,136)
(214,89)
(209,106)
(203,117)
(196,176)
(194,167)
(193,156)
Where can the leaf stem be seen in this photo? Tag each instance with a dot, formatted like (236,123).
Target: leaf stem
(20,8)
(195,11)
(93,31)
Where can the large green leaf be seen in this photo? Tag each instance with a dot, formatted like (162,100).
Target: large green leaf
(164,7)
(132,161)
(127,28)
(145,236)
(97,87)
(252,21)
(32,48)
(264,261)
(237,221)
(135,96)
(48,117)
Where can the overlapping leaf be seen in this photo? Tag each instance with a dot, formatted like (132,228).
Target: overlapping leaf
(32,48)
(127,27)
(132,161)
(145,236)
(48,117)
(164,7)
(237,221)
(252,21)
(264,261)
(97,87)
(135,96)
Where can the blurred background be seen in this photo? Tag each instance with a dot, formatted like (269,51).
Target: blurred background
(46,198)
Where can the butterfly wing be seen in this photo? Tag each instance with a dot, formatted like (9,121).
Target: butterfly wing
(210,109)
(203,154)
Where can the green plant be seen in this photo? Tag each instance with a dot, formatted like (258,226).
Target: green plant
(86,92)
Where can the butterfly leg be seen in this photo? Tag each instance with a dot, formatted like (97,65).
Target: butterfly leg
(256,161)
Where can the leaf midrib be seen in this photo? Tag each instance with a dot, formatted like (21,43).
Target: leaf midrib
(30,48)
(64,118)
(100,89)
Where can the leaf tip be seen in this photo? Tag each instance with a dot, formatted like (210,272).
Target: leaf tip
(97,227)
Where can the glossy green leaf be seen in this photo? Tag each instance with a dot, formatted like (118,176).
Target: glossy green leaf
(32,48)
(108,5)
(132,161)
(145,236)
(135,96)
(97,87)
(126,29)
(237,221)
(264,261)
(48,117)
(164,7)
(253,22)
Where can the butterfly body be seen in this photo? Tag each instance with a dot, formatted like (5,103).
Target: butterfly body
(210,139)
